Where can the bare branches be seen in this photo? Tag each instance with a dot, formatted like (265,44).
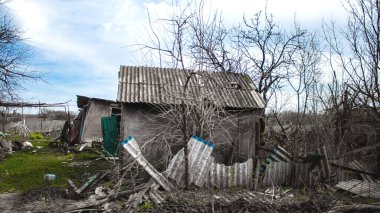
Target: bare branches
(268,50)
(13,58)
(358,51)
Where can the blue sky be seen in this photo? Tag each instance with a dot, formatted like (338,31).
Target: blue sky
(80,44)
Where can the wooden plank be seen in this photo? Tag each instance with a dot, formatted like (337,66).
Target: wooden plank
(356,165)
(353,170)
(87,184)
(257,173)
(72,185)
(325,162)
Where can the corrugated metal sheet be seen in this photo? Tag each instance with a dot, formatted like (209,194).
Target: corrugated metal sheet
(361,188)
(276,173)
(237,175)
(287,173)
(200,160)
(133,148)
(202,170)
(165,86)
(277,154)
(278,169)
(302,175)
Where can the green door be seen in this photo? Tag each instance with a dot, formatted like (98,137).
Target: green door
(110,135)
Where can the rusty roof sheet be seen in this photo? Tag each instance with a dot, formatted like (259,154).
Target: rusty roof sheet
(165,86)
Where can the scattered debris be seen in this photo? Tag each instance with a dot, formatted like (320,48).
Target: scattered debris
(82,147)
(355,208)
(27,144)
(132,147)
(22,129)
(5,146)
(356,165)
(278,168)
(75,192)
(17,145)
(79,164)
(99,191)
(50,177)
(361,188)
(99,200)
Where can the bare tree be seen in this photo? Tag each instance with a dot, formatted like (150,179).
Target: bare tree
(301,81)
(191,41)
(354,55)
(268,50)
(14,55)
(356,49)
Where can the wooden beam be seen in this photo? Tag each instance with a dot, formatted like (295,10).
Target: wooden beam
(353,170)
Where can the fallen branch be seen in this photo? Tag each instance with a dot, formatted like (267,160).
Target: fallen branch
(135,199)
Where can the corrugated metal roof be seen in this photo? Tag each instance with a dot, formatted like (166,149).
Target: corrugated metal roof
(83,100)
(165,86)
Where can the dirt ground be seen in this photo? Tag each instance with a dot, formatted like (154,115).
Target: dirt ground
(187,201)
(237,200)
(240,201)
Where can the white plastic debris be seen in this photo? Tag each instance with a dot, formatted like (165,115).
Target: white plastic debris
(50,177)
(27,144)
(106,206)
(99,191)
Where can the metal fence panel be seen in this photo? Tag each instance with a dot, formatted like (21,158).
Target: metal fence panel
(237,175)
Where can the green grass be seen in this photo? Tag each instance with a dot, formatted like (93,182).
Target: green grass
(25,170)
(146,205)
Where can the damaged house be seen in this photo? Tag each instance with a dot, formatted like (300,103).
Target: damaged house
(89,117)
(151,101)
(221,107)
